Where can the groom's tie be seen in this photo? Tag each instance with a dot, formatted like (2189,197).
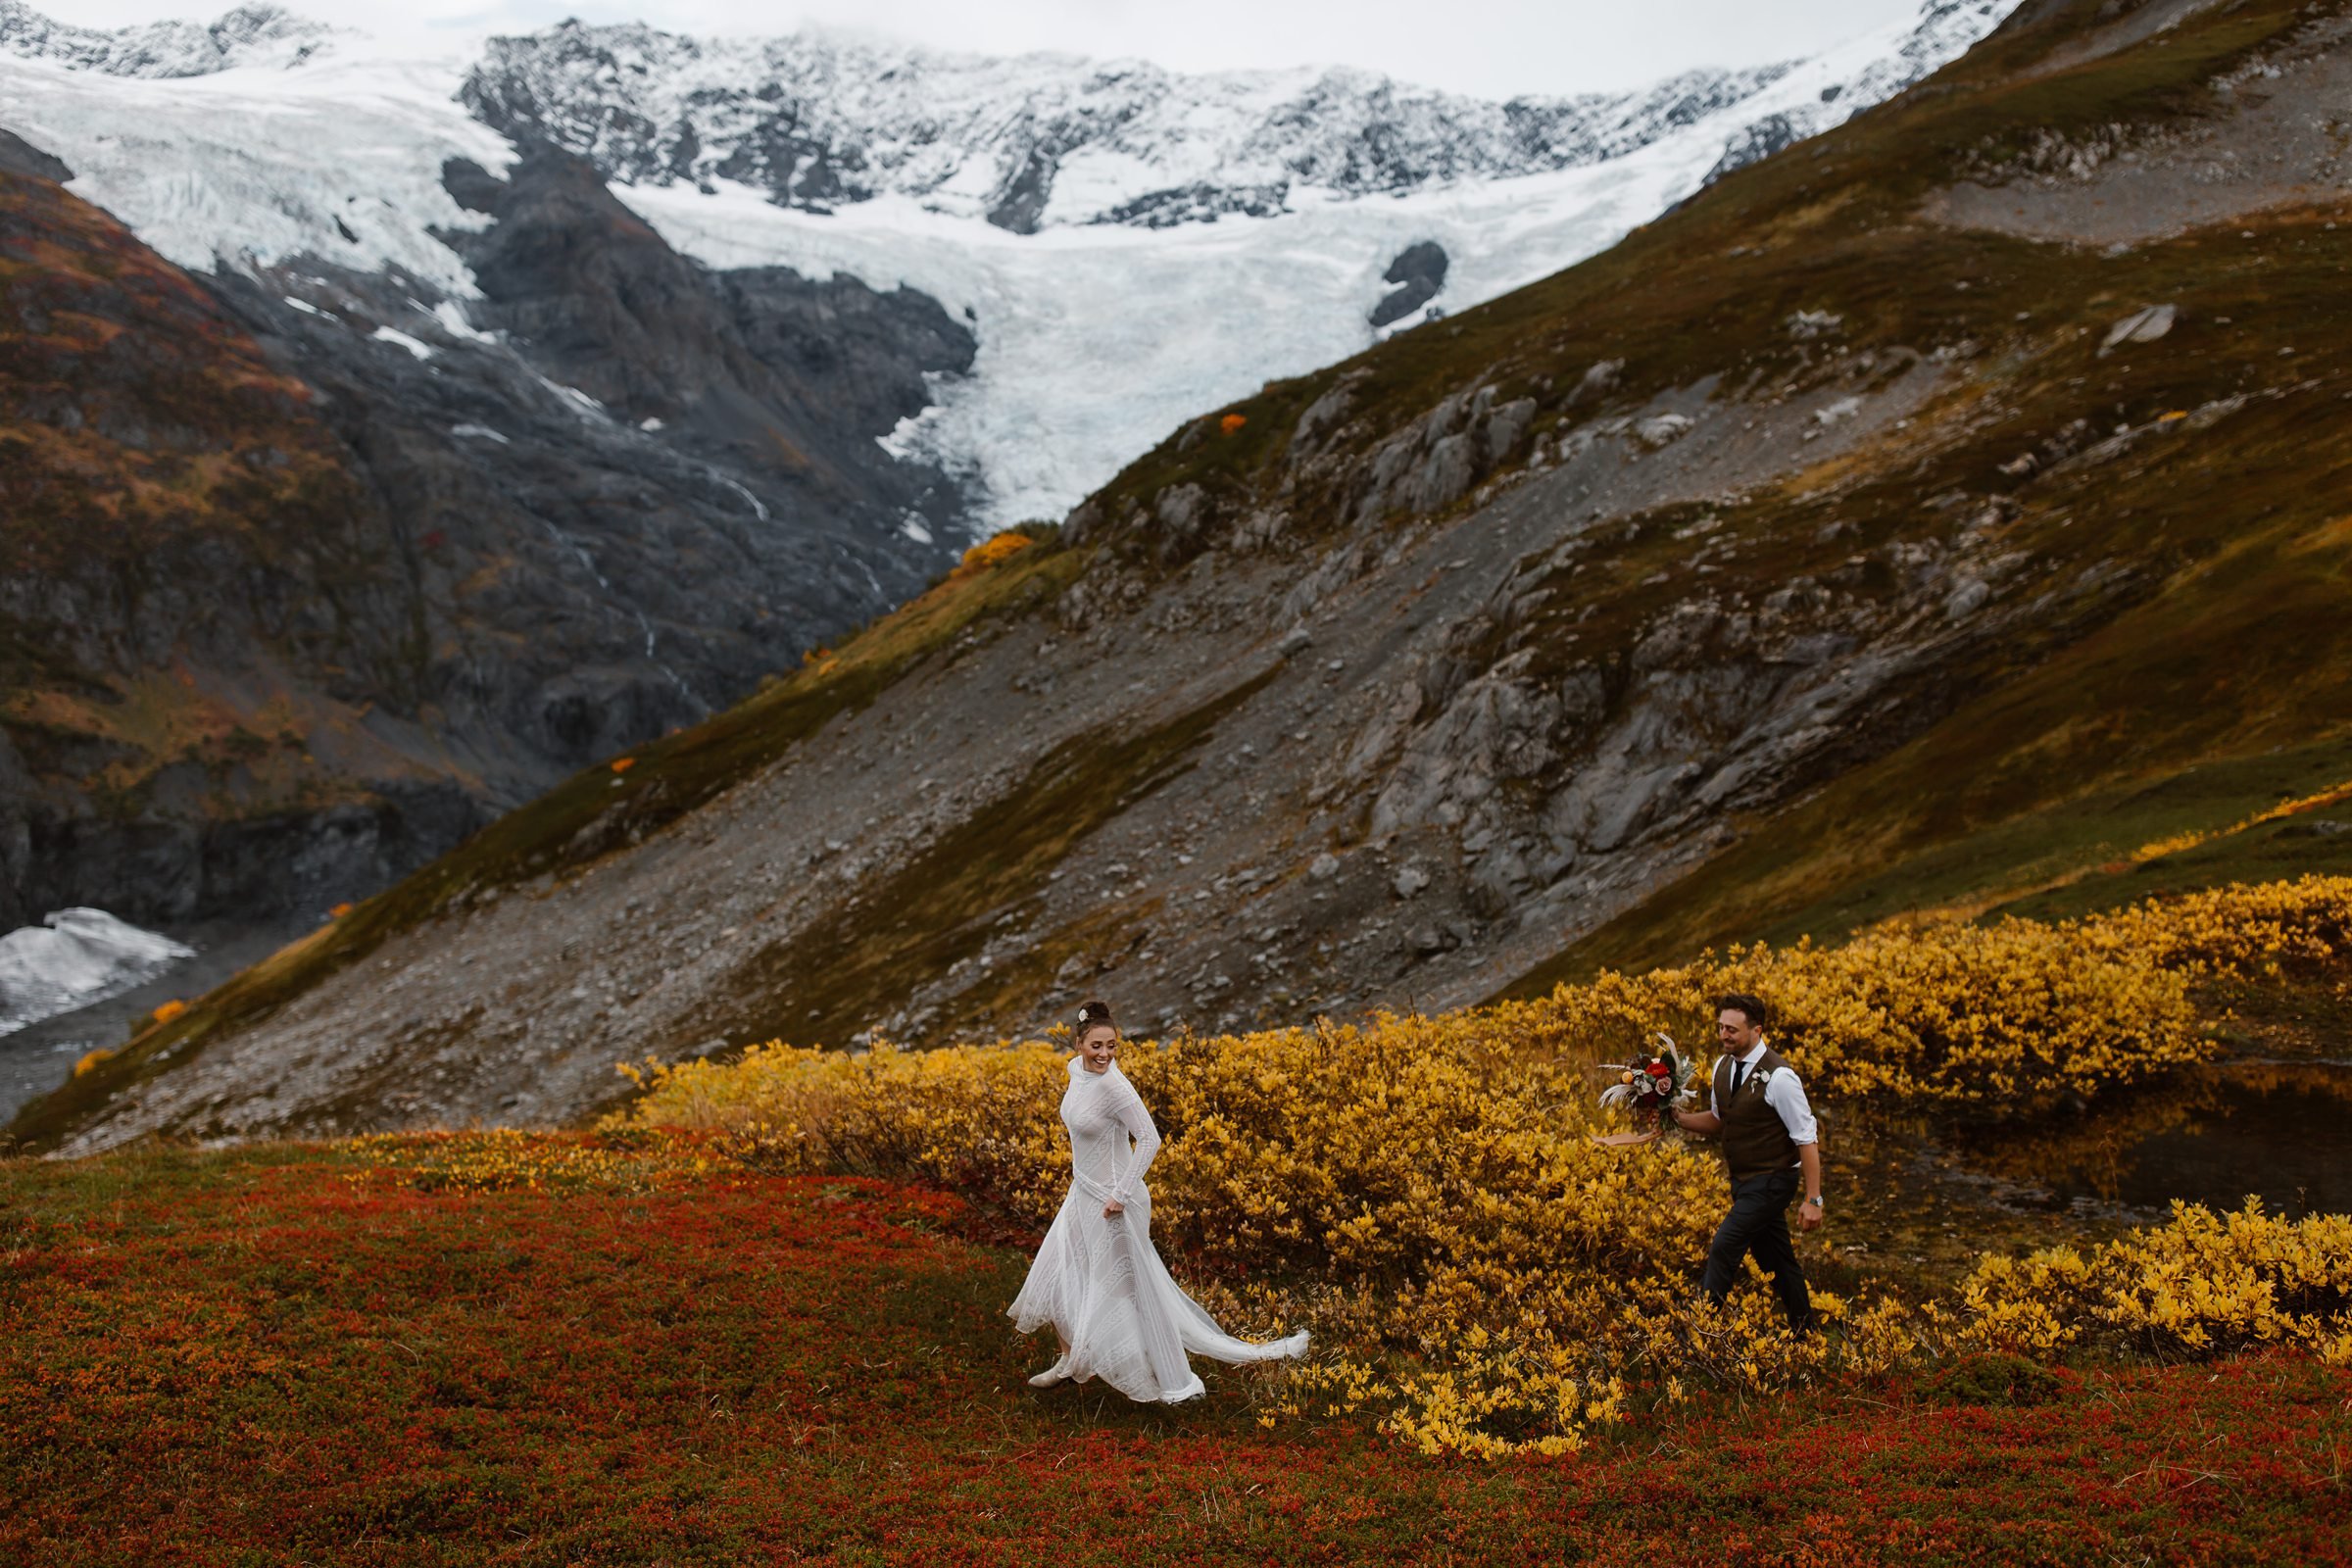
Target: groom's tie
(1739,1077)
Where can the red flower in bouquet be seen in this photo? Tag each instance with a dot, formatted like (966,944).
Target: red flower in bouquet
(1651,1086)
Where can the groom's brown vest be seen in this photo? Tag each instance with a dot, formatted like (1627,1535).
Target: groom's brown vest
(1755,1141)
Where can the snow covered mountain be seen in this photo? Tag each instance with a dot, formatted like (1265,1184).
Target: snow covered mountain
(259,35)
(1129,245)
(1040,140)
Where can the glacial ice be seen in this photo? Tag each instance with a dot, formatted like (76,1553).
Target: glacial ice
(72,958)
(1096,339)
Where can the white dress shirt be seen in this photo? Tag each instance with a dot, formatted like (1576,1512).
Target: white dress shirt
(1784,1093)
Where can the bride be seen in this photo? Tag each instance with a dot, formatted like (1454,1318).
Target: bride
(1097,1279)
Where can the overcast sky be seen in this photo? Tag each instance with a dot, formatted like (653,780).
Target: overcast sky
(1494,48)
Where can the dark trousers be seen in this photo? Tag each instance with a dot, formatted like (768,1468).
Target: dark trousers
(1758,1223)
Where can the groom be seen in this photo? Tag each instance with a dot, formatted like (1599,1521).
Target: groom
(1768,1141)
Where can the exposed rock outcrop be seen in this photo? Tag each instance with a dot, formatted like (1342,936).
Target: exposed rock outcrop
(1419,273)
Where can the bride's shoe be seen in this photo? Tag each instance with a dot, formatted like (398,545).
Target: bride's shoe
(1059,1372)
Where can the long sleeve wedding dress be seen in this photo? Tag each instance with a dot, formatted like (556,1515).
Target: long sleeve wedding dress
(1098,1280)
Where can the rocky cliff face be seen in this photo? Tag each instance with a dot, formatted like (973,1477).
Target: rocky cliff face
(176,509)
(314,570)
(1807,541)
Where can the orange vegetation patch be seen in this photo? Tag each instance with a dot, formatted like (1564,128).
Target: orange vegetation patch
(990,550)
(525,1352)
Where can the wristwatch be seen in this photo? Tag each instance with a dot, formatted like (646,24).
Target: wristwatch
(1816,1202)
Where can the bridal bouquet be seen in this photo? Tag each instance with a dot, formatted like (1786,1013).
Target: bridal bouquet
(1651,1086)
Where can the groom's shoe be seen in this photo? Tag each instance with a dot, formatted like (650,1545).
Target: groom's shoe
(1059,1372)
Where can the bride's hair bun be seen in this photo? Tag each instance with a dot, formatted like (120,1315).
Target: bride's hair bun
(1091,1013)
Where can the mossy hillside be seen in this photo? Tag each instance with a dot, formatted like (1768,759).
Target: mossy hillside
(2092,853)
(596,813)
(159,444)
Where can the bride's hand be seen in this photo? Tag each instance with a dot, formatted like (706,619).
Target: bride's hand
(1113,1209)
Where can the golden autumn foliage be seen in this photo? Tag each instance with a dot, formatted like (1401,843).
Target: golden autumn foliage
(992,549)
(2202,1283)
(1422,1192)
(2179,842)
(1232,422)
(169,1010)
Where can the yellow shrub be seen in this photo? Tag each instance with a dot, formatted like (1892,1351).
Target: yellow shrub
(2201,1282)
(992,549)
(2244,928)
(1483,1279)
(980,1120)
(2001,1017)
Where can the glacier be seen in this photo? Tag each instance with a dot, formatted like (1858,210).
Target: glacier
(76,958)
(1171,242)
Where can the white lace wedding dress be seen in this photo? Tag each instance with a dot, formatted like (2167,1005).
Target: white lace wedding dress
(1099,1281)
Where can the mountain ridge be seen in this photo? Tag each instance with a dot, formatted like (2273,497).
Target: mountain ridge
(256,34)
(818,120)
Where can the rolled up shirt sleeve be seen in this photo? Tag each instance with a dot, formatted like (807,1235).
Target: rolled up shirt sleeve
(1785,1094)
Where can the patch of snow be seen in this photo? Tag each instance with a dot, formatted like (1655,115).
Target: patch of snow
(914,529)
(72,958)
(308,308)
(451,317)
(758,507)
(479,432)
(649,424)
(581,403)
(417,346)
